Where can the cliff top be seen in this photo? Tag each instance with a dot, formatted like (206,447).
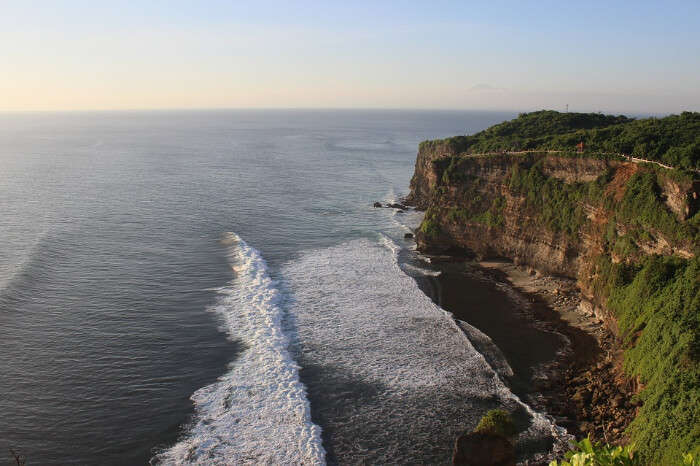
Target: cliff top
(673,141)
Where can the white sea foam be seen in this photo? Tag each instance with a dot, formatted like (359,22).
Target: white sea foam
(257,413)
(492,353)
(396,379)
(415,271)
(412,270)
(408,220)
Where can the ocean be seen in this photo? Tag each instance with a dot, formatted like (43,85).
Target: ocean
(215,287)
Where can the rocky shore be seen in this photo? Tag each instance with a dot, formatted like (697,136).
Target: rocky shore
(584,388)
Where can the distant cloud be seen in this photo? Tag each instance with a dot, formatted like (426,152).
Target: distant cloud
(482,87)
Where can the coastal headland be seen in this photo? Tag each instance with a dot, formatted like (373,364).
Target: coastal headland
(595,219)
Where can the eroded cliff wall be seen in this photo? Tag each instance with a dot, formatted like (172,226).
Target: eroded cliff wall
(556,213)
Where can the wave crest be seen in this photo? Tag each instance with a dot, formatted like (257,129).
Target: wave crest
(257,413)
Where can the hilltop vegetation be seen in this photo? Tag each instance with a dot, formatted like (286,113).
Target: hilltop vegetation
(673,140)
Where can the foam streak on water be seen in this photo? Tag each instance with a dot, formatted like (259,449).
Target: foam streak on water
(258,412)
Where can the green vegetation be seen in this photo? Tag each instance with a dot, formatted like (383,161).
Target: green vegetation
(522,132)
(475,207)
(452,174)
(497,421)
(558,204)
(430,226)
(625,246)
(489,218)
(492,217)
(642,206)
(673,140)
(587,453)
(457,214)
(657,304)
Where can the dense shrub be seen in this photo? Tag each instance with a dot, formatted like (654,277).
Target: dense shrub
(642,206)
(491,216)
(657,304)
(430,226)
(556,203)
(587,453)
(497,421)
(673,140)
(559,205)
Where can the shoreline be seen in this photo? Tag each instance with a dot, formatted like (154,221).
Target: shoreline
(590,395)
(581,383)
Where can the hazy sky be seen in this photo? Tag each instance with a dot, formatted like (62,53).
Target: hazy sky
(610,56)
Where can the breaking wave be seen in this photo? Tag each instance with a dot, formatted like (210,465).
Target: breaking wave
(257,413)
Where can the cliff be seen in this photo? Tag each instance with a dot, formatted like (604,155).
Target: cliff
(556,213)
(626,231)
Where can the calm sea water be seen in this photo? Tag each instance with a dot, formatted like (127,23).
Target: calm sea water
(215,287)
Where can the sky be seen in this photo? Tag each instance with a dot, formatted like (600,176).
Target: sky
(612,56)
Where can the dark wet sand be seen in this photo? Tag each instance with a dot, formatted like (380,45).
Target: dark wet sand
(543,342)
(480,302)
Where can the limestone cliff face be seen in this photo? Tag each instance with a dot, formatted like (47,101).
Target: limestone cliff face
(475,205)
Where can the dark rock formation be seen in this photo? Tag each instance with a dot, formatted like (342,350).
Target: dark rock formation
(393,205)
(483,449)
(408,236)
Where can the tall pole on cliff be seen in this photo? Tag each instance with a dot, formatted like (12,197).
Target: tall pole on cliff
(567,108)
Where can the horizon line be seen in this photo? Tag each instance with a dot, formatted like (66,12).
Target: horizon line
(390,109)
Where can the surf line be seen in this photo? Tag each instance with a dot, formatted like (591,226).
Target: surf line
(258,412)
